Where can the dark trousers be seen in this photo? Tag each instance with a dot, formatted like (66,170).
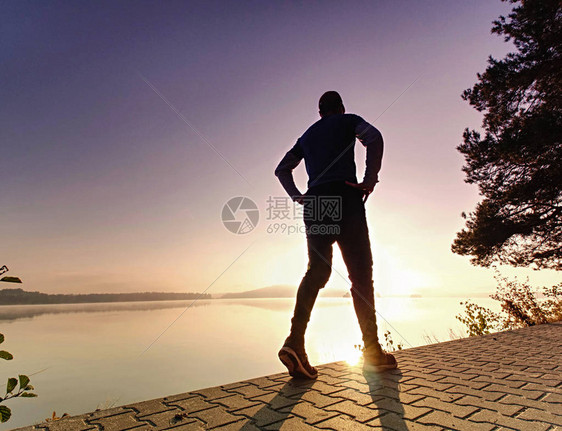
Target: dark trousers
(349,230)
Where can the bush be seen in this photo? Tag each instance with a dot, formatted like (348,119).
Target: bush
(520,307)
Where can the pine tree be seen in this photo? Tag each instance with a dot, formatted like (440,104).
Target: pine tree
(517,164)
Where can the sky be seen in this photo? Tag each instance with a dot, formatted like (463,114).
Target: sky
(125,127)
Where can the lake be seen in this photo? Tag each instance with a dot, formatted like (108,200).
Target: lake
(86,356)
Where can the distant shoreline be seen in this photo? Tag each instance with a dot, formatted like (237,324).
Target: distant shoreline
(23,297)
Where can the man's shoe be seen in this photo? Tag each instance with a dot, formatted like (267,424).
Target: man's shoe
(296,362)
(379,361)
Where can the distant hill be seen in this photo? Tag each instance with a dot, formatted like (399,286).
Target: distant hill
(21,297)
(280,291)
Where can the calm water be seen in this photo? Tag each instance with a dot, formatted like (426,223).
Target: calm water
(88,356)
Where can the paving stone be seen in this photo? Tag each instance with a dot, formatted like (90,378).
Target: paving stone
(262,416)
(263,382)
(340,367)
(537,415)
(495,418)
(233,385)
(321,400)
(409,398)
(355,385)
(333,373)
(448,421)
(72,423)
(486,380)
(120,422)
(276,400)
(456,410)
(553,398)
(234,402)
(405,411)
(504,409)
(331,380)
(542,387)
(351,409)
(250,391)
(292,389)
(193,404)
(514,400)
(108,412)
(326,389)
(416,426)
(392,421)
(149,407)
(178,397)
(213,393)
(172,418)
(504,389)
(448,397)
(460,381)
(215,417)
(357,397)
(438,386)
(309,412)
(242,425)
(346,423)
(425,376)
(187,426)
(293,423)
(487,395)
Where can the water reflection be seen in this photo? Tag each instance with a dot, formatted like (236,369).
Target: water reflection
(14,312)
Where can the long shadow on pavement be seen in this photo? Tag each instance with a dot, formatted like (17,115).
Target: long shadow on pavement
(279,408)
(385,392)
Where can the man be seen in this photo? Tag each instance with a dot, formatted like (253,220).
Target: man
(328,151)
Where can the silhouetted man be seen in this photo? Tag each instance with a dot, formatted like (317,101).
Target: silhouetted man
(327,148)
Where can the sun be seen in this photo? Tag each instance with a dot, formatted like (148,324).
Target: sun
(352,357)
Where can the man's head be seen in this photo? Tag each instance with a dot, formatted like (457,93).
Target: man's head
(330,103)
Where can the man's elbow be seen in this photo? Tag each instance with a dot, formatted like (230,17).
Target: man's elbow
(281,171)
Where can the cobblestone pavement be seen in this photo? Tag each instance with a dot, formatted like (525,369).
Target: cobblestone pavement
(508,380)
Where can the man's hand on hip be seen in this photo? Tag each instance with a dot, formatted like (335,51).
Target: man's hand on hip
(365,188)
(299,199)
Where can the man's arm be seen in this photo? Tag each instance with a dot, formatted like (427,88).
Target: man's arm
(284,170)
(371,138)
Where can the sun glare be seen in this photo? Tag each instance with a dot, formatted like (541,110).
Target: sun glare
(350,354)
(352,357)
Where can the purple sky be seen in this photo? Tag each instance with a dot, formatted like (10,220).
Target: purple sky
(105,188)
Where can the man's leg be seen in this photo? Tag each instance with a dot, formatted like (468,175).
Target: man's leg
(293,354)
(356,252)
(316,277)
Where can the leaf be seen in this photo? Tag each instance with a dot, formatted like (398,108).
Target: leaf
(24,380)
(5,413)
(28,395)
(6,355)
(12,383)
(1,338)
